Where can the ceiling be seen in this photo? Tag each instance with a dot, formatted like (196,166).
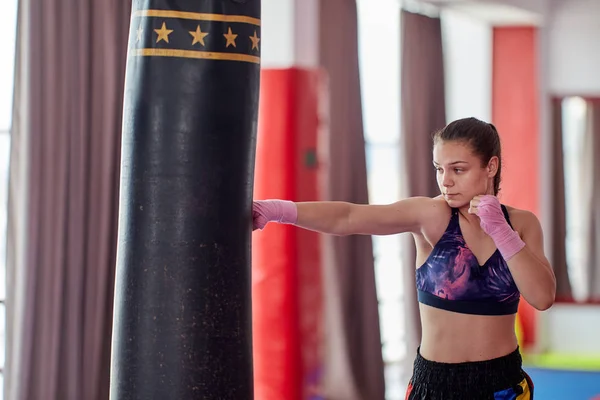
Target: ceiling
(495,12)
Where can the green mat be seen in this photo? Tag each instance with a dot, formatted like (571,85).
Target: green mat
(563,361)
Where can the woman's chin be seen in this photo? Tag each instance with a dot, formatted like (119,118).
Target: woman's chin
(455,201)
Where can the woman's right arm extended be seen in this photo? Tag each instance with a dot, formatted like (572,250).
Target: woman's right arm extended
(343,218)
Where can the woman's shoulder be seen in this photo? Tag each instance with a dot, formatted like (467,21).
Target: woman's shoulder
(432,204)
(424,209)
(434,209)
(440,203)
(521,219)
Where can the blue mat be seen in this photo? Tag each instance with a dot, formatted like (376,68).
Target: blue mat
(553,384)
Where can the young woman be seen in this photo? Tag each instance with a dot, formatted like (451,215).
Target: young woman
(475,258)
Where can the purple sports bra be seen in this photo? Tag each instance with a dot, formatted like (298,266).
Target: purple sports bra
(452,279)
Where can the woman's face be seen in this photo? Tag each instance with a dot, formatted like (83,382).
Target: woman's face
(460,174)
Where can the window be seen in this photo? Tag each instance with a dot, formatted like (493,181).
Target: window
(8,21)
(379,61)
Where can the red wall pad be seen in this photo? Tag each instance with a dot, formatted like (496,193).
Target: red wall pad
(286,283)
(515,110)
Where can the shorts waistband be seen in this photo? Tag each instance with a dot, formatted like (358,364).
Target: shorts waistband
(483,377)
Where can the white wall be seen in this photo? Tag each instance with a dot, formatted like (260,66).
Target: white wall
(289,33)
(573,34)
(468,66)
(571,329)
(277,33)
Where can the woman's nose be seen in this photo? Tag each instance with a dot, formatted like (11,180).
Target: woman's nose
(446,181)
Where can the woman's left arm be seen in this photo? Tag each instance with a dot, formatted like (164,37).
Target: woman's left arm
(531,270)
(523,249)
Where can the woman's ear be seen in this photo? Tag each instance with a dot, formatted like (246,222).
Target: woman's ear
(492,166)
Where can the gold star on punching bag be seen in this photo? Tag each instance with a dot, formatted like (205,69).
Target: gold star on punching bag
(255,39)
(163,33)
(230,38)
(139,31)
(198,36)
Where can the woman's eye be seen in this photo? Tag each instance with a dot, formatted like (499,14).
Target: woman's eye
(458,170)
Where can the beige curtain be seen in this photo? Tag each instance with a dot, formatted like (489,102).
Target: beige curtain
(558,233)
(353,358)
(592,247)
(423,111)
(63,197)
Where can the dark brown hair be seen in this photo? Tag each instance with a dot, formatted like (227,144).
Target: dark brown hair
(481,136)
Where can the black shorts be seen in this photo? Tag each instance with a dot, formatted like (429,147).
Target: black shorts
(498,379)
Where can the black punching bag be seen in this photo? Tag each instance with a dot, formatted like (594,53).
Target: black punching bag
(182,321)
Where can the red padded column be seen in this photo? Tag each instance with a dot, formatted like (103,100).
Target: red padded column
(287,306)
(515,110)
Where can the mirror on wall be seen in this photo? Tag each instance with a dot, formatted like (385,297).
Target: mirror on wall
(580,128)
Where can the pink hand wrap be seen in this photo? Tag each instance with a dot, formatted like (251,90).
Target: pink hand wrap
(265,211)
(492,221)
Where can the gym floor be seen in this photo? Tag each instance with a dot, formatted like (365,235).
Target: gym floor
(556,384)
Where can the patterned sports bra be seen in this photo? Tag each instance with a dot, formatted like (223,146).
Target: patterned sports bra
(452,279)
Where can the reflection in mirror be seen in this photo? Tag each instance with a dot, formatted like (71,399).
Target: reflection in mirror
(580,136)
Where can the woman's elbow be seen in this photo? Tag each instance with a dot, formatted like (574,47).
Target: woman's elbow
(543,306)
(545,301)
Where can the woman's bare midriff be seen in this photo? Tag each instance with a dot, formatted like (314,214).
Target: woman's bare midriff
(450,337)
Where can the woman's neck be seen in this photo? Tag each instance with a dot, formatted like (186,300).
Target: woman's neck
(470,218)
